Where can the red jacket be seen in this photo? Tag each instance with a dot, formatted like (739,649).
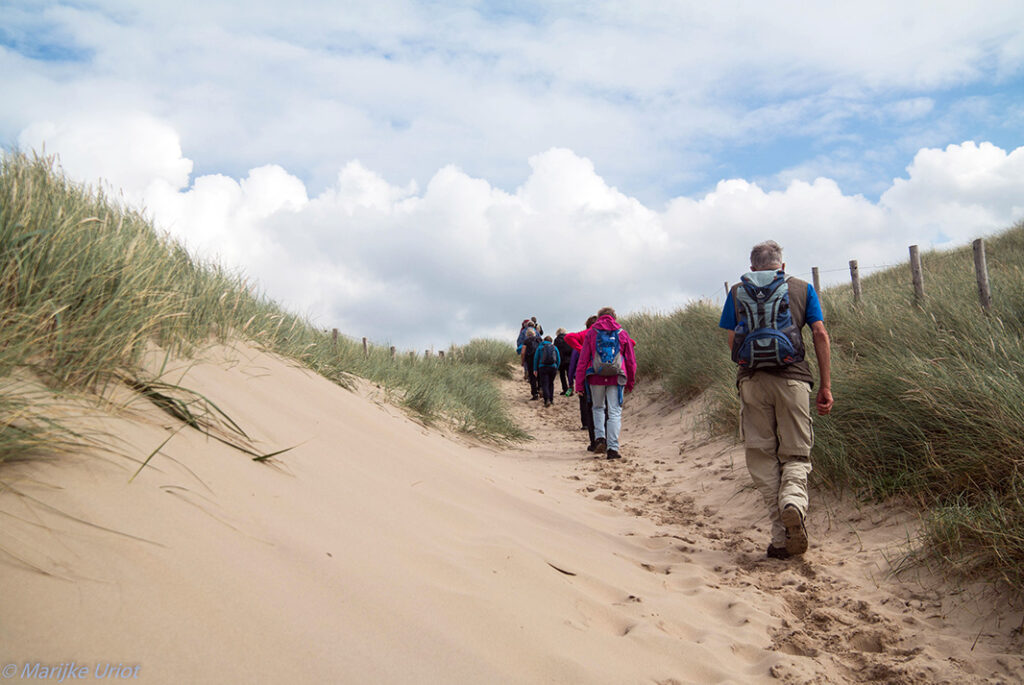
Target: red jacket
(626,343)
(575,340)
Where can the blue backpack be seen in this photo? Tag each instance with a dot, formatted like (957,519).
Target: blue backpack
(607,359)
(548,356)
(766,335)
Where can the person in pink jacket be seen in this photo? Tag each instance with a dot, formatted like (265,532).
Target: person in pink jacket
(606,368)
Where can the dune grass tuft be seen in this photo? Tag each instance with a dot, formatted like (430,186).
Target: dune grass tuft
(687,351)
(86,285)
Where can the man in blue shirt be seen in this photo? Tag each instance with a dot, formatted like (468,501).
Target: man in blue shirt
(774,382)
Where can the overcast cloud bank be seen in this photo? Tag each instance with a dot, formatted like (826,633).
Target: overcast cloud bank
(461,258)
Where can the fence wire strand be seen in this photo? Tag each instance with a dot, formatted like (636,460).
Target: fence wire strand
(808,274)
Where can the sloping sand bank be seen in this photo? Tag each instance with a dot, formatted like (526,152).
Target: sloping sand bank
(379,551)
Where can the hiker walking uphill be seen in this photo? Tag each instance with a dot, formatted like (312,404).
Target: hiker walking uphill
(529,348)
(765,313)
(607,369)
(526,326)
(565,350)
(546,361)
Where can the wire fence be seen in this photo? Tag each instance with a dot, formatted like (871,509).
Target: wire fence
(855,270)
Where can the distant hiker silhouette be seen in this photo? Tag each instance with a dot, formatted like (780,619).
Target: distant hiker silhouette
(565,350)
(530,345)
(546,361)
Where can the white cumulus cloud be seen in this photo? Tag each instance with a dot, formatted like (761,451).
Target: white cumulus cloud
(462,258)
(129,151)
(962,191)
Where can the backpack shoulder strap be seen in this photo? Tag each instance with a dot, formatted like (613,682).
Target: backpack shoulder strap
(797,300)
(737,310)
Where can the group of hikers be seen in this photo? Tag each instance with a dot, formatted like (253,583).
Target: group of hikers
(764,315)
(597,363)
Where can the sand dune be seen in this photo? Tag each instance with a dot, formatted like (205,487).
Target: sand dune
(378,550)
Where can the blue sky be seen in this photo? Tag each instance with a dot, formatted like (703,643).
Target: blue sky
(423,173)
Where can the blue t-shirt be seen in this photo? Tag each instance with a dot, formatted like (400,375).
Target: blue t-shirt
(812,313)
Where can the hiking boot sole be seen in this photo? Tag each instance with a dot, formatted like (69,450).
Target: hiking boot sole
(796,533)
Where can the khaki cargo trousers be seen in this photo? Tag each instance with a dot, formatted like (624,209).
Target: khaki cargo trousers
(775,426)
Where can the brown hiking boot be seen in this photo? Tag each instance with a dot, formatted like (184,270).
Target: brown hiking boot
(600,445)
(796,533)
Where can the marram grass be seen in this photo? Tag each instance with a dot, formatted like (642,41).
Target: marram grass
(929,397)
(87,284)
(687,351)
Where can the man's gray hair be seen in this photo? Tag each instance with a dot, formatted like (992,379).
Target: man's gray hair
(766,255)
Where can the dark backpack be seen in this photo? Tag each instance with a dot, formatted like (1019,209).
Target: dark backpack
(766,335)
(607,359)
(530,345)
(564,349)
(548,357)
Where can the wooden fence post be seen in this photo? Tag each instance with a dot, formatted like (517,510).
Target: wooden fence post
(393,351)
(440,354)
(334,335)
(727,287)
(816,279)
(426,354)
(855,279)
(366,348)
(981,270)
(917,274)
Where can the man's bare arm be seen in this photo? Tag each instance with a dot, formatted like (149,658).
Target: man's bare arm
(823,352)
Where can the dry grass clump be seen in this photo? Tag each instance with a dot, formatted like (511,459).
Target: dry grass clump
(688,352)
(87,284)
(932,403)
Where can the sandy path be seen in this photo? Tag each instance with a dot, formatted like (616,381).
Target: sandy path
(840,614)
(379,550)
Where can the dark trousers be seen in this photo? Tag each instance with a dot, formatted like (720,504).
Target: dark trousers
(533,382)
(547,384)
(587,414)
(563,372)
